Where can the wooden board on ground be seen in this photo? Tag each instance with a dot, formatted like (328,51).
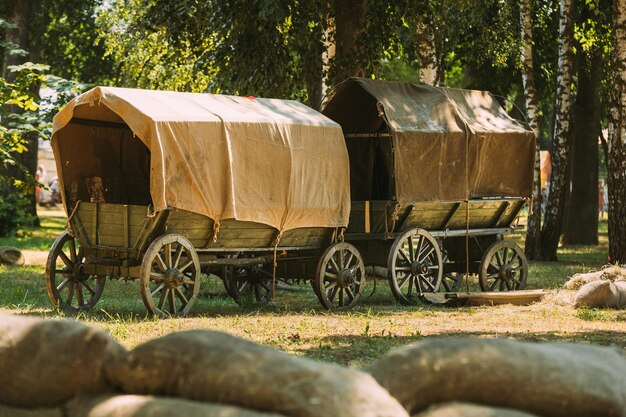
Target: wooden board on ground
(454,299)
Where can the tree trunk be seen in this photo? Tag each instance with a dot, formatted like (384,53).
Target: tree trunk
(532,247)
(617,137)
(582,223)
(551,231)
(349,23)
(426,50)
(19,13)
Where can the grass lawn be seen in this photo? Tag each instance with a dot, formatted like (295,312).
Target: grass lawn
(296,323)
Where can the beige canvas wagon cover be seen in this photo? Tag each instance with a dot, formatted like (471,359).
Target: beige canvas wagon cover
(448,144)
(271,161)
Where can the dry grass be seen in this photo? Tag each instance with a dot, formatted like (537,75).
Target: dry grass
(296,323)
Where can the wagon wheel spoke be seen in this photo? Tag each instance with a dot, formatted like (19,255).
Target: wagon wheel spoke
(72,247)
(181,296)
(62,271)
(66,260)
(188,280)
(349,260)
(70,294)
(330,275)
(342,263)
(167,252)
(405,256)
(341,294)
(162,297)
(89,288)
(157,289)
(411,284)
(330,285)
(425,280)
(403,268)
(177,255)
(186,265)
(505,255)
(333,293)
(411,248)
(161,262)
(157,277)
(334,264)
(79,295)
(402,281)
(422,259)
(63,284)
(172,301)
(350,293)
(493,284)
(499,262)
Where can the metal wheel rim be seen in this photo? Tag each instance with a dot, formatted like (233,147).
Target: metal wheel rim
(499,257)
(170,276)
(414,246)
(334,292)
(68,288)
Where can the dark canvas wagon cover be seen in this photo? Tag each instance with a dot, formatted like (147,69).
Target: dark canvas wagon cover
(448,144)
(269,161)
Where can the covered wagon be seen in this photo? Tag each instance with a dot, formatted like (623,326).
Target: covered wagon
(161,186)
(438,176)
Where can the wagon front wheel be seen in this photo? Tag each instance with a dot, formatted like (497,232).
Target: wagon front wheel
(170,276)
(340,277)
(415,265)
(69,287)
(503,267)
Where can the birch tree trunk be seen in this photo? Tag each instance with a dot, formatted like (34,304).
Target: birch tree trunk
(617,137)
(532,247)
(426,50)
(552,225)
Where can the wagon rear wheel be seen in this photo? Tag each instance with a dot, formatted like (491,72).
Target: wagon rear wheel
(340,277)
(170,276)
(248,286)
(415,265)
(69,287)
(503,267)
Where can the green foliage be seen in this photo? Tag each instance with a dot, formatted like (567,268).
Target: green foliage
(23,116)
(64,33)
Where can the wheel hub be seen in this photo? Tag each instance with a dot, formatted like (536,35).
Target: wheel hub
(345,278)
(173,278)
(508,272)
(77,272)
(418,268)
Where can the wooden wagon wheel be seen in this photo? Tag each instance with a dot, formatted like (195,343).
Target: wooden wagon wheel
(415,265)
(451,281)
(340,277)
(503,267)
(69,287)
(170,276)
(248,286)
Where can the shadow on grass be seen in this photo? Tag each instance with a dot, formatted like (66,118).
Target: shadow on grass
(359,350)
